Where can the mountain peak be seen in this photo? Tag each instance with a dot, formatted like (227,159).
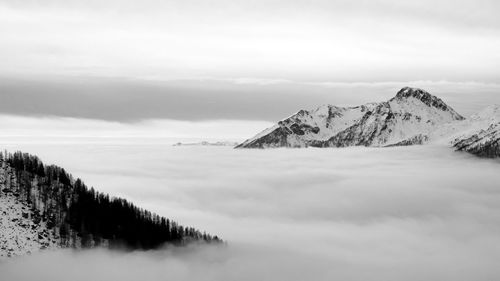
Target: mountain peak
(426,98)
(417,93)
(405,119)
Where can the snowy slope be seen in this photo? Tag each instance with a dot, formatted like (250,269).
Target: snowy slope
(308,125)
(481,134)
(42,207)
(490,114)
(411,115)
(449,132)
(21,230)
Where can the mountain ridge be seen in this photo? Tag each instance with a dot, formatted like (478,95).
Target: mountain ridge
(306,125)
(412,117)
(483,143)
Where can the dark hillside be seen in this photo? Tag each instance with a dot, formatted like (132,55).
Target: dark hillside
(82,217)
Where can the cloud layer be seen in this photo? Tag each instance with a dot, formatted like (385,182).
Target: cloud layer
(132,100)
(417,213)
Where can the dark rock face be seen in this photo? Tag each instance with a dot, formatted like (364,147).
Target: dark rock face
(303,128)
(416,140)
(484,143)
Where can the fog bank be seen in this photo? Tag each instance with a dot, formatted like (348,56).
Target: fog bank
(411,213)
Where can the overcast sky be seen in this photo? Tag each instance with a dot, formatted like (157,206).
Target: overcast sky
(201,60)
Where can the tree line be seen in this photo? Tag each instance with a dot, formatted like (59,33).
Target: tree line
(82,216)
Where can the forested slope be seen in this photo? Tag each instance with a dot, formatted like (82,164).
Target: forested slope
(78,216)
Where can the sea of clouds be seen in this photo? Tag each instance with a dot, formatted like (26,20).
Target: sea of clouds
(411,213)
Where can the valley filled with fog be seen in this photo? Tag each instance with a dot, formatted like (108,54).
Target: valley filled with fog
(411,213)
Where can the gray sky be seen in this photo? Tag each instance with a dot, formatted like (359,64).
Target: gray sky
(259,60)
(130,100)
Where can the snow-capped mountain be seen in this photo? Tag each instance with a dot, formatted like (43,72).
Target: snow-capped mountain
(406,119)
(412,117)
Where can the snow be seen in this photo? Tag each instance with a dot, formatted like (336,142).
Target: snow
(490,113)
(400,119)
(263,133)
(421,120)
(19,234)
(329,119)
(477,139)
(447,133)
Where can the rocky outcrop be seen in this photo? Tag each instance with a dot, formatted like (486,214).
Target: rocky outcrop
(415,140)
(483,143)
